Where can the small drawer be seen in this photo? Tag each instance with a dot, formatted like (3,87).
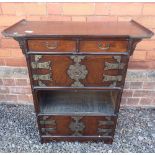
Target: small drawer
(58,125)
(103,46)
(52,45)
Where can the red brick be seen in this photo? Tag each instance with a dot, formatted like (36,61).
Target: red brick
(23,99)
(145,101)
(144,93)
(101,18)
(4,52)
(9,43)
(20,90)
(11,98)
(1,82)
(30,98)
(28,81)
(9,20)
(24,8)
(2,62)
(102,8)
(0,9)
(2,98)
(136,85)
(15,62)
(127,93)
(79,18)
(12,8)
(141,65)
(16,52)
(54,8)
(78,8)
(153,102)
(35,8)
(56,18)
(33,18)
(4,90)
(146,44)
(126,8)
(139,55)
(147,21)
(21,82)
(125,18)
(127,85)
(150,55)
(149,85)
(9,82)
(148,9)
(133,101)
(123,101)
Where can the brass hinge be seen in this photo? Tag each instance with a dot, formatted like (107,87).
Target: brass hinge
(41,65)
(112,78)
(42,77)
(46,130)
(45,122)
(104,132)
(113,66)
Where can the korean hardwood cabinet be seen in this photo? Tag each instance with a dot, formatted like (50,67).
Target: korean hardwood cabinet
(77,72)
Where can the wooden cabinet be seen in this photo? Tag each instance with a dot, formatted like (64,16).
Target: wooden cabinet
(77,72)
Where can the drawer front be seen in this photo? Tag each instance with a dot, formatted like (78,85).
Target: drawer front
(103,46)
(78,71)
(52,45)
(77,125)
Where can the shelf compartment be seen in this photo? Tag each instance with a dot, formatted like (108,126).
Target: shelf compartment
(77,102)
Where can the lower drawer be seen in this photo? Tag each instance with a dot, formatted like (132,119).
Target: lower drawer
(105,139)
(77,126)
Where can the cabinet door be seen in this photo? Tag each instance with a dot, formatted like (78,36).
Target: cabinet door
(78,71)
(77,125)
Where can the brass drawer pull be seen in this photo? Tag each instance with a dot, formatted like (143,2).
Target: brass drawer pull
(51,46)
(101,46)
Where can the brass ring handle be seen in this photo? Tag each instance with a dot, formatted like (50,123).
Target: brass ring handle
(53,45)
(107,46)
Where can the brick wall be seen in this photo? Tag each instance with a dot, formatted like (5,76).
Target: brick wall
(15,88)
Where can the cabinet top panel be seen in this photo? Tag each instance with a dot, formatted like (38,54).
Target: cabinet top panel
(26,28)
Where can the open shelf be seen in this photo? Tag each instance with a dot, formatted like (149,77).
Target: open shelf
(80,102)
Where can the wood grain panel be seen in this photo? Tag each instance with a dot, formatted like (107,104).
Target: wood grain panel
(95,65)
(91,125)
(52,45)
(103,46)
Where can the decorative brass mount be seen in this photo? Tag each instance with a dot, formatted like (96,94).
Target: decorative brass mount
(77,71)
(76,126)
(41,65)
(117,65)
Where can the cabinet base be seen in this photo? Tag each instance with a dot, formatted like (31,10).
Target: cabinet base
(106,140)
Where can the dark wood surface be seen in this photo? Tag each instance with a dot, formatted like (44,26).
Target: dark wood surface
(103,139)
(85,96)
(94,46)
(62,125)
(53,45)
(48,28)
(95,66)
